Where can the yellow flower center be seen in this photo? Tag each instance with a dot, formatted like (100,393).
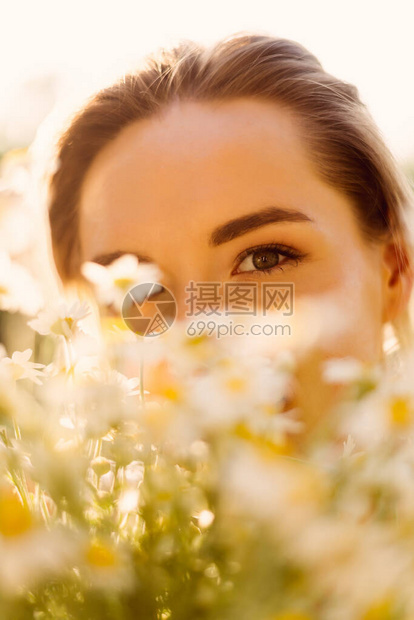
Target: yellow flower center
(400,411)
(58,326)
(170,392)
(268,449)
(69,321)
(15,518)
(270,409)
(100,555)
(123,283)
(236,384)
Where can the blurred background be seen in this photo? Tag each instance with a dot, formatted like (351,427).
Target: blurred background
(56,53)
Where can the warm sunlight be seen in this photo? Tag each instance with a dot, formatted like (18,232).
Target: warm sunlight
(52,51)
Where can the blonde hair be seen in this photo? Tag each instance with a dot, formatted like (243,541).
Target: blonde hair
(344,145)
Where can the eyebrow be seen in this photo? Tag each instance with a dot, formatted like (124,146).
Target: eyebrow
(252,221)
(228,231)
(106,259)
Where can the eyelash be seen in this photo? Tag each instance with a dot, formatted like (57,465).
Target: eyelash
(284,250)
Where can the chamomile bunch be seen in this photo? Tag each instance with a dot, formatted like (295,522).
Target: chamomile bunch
(186,476)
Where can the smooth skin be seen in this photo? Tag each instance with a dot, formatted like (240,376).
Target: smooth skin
(167,188)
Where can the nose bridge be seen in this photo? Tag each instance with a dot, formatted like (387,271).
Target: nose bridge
(184,267)
(185,293)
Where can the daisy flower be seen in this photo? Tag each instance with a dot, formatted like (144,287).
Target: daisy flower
(29,552)
(107,565)
(112,282)
(62,320)
(125,385)
(104,397)
(20,367)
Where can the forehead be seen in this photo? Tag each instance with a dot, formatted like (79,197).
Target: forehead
(193,133)
(194,162)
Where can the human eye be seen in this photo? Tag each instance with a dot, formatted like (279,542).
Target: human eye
(266,258)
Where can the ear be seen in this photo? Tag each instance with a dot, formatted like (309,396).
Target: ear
(398,278)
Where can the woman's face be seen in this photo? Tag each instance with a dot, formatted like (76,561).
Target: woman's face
(224,192)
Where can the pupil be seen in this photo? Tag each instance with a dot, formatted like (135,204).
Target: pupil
(265,259)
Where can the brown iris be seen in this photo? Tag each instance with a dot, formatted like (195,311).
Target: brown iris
(265,259)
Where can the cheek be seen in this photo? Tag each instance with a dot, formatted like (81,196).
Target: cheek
(346,318)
